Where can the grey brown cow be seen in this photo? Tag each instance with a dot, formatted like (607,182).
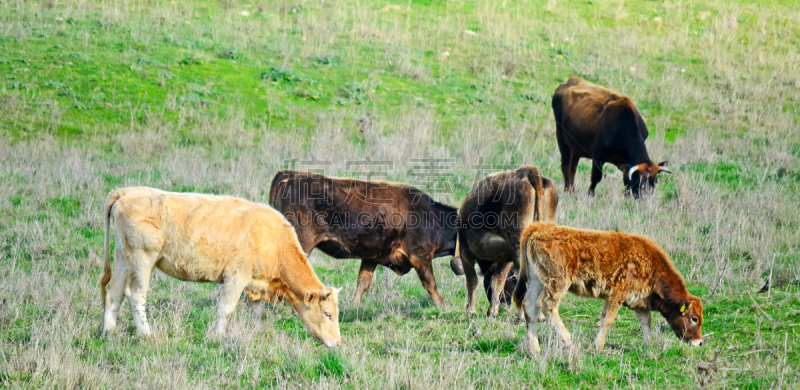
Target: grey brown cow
(493,214)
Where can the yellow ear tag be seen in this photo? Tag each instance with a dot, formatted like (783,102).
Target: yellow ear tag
(683,308)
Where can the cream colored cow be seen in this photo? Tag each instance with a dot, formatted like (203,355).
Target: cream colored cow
(203,238)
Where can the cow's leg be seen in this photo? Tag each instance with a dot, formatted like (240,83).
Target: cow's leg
(426,276)
(115,291)
(530,308)
(520,316)
(364,279)
(232,288)
(610,310)
(498,286)
(597,175)
(141,268)
(568,161)
(472,279)
(488,269)
(551,298)
(569,166)
(645,319)
(257,309)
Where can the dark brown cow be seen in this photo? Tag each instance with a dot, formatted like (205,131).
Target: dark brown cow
(622,269)
(394,225)
(493,215)
(600,124)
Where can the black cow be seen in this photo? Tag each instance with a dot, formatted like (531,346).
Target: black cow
(600,124)
(394,225)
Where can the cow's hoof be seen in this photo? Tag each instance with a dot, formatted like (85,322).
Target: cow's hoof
(457,266)
(532,350)
(108,330)
(145,336)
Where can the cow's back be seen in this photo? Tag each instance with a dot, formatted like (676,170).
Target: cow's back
(513,192)
(360,218)
(197,237)
(596,261)
(579,108)
(594,116)
(515,199)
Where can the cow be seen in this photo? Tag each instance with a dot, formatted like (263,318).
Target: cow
(597,123)
(382,223)
(493,214)
(248,247)
(622,269)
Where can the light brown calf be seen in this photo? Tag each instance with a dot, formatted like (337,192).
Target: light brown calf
(202,238)
(623,269)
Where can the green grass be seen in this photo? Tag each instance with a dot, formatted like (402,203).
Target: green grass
(214,97)
(100,74)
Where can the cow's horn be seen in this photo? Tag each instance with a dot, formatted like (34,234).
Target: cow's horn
(631,171)
(664,170)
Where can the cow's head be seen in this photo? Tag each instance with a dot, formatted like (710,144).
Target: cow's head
(642,178)
(320,313)
(687,321)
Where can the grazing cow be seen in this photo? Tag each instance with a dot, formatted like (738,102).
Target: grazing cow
(203,238)
(600,124)
(622,269)
(394,225)
(493,215)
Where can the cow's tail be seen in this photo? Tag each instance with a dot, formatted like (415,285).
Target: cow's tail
(112,199)
(522,279)
(539,202)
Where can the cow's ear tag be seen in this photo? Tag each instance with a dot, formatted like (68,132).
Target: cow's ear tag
(683,308)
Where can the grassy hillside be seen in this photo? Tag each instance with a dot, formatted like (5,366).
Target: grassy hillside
(215,96)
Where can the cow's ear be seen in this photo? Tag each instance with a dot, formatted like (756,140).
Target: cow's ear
(326,293)
(662,164)
(337,290)
(310,298)
(685,305)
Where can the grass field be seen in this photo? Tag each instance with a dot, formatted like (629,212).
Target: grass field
(215,96)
